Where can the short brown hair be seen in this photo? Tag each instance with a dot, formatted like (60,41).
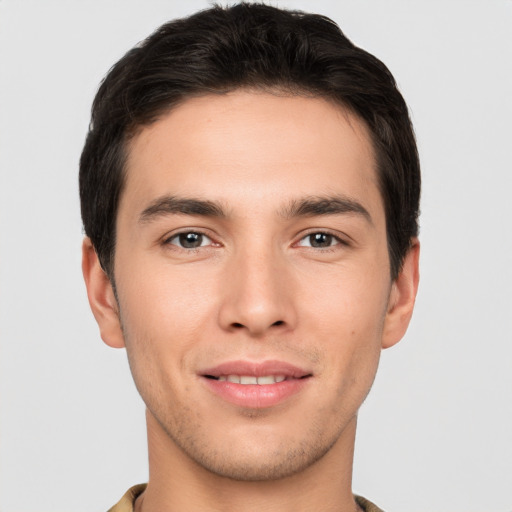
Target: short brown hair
(247,45)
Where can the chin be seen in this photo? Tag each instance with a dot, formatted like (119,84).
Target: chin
(255,456)
(262,467)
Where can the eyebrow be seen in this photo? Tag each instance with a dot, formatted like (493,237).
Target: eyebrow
(330,205)
(186,206)
(310,206)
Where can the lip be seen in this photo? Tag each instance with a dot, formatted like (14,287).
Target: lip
(256,396)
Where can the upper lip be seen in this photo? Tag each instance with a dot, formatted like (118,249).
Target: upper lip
(256,369)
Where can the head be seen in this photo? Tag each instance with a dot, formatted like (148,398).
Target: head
(249,191)
(247,46)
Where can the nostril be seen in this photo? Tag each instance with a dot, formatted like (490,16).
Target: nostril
(237,325)
(279,322)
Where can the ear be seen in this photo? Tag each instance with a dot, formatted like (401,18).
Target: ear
(101,297)
(402,297)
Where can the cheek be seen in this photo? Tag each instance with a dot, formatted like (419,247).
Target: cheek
(165,299)
(348,320)
(350,303)
(163,317)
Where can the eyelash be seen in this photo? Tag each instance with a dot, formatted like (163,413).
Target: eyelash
(176,236)
(335,238)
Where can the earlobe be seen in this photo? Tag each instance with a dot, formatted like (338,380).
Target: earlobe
(402,297)
(101,297)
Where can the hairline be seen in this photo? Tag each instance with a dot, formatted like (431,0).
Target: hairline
(288,90)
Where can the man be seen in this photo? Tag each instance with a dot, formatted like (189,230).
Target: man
(249,190)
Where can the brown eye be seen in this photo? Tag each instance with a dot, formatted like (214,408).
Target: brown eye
(190,240)
(319,240)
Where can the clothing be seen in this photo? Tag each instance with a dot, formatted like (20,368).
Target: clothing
(127,501)
(366,505)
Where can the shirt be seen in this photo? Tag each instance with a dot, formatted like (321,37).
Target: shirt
(126,503)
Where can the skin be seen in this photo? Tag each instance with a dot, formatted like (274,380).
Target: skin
(257,288)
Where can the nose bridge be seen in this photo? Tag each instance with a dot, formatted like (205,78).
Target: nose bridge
(258,293)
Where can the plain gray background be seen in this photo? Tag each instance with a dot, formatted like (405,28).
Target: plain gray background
(435,433)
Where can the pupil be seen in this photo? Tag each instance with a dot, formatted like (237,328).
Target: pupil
(320,240)
(191,240)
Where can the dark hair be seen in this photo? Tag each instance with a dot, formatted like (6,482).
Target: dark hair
(247,45)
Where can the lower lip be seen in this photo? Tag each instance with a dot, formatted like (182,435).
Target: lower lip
(255,396)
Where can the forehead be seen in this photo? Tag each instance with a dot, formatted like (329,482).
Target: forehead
(252,146)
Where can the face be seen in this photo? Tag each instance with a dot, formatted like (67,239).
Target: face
(253,281)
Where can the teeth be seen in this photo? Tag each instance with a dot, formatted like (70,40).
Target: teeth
(268,379)
(250,379)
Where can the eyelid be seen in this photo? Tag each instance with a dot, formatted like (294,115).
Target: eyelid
(340,238)
(167,239)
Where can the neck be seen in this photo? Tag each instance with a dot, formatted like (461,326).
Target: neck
(178,483)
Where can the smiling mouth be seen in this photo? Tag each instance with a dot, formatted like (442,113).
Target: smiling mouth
(264,380)
(253,385)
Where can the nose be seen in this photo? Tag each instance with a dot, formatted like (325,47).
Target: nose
(257,294)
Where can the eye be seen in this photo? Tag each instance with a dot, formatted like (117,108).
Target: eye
(319,240)
(190,240)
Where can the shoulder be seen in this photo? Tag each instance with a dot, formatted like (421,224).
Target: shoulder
(366,505)
(126,503)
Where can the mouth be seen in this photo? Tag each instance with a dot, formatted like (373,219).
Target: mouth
(256,385)
(263,380)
